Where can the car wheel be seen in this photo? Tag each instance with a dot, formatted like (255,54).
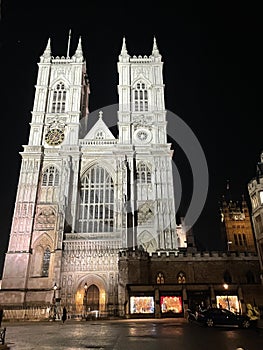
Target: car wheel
(209,322)
(245,324)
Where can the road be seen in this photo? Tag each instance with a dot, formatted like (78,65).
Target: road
(151,334)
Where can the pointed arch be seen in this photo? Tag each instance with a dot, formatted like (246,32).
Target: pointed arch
(50,176)
(96,210)
(181,277)
(89,280)
(58,96)
(46,262)
(41,256)
(144,172)
(160,278)
(140,94)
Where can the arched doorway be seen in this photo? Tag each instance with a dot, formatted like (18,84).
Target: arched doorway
(93,298)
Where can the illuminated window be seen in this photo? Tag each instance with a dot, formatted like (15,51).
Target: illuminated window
(181,277)
(97,201)
(171,304)
(140,97)
(58,98)
(46,261)
(50,177)
(142,305)
(160,278)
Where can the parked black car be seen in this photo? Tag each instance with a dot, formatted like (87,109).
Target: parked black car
(222,317)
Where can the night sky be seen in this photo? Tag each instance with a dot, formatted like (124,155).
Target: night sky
(212,65)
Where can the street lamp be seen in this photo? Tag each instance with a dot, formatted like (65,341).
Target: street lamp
(225,285)
(85,299)
(54,301)
(228,245)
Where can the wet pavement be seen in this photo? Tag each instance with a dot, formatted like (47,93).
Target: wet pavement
(129,334)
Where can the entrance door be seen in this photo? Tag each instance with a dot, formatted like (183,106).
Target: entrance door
(93,297)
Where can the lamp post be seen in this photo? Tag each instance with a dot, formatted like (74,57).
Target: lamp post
(225,285)
(85,299)
(228,245)
(54,301)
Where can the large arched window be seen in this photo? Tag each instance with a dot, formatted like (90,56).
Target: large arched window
(59,98)
(45,263)
(50,177)
(97,201)
(140,95)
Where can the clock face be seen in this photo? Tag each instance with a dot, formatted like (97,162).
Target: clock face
(54,137)
(142,135)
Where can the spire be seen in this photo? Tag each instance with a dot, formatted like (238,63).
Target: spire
(79,53)
(124,56)
(47,53)
(69,38)
(155,51)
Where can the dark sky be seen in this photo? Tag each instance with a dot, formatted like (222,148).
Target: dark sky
(212,65)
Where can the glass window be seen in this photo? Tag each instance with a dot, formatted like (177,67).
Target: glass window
(97,201)
(160,278)
(171,304)
(50,177)
(144,174)
(140,97)
(46,261)
(181,277)
(58,99)
(141,305)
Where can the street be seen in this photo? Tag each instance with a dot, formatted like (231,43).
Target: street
(151,334)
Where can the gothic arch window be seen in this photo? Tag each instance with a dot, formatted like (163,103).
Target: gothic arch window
(58,98)
(160,278)
(96,201)
(250,277)
(50,177)
(144,174)
(181,277)
(46,261)
(140,97)
(227,277)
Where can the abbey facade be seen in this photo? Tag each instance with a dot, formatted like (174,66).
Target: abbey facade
(83,194)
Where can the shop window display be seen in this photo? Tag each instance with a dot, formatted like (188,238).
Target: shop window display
(229,302)
(171,304)
(141,305)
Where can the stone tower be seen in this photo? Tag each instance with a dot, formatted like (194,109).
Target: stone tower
(236,227)
(83,194)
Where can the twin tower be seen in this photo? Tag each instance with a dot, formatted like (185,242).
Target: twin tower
(83,194)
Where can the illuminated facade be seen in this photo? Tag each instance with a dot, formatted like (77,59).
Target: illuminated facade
(83,194)
(236,226)
(255,189)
